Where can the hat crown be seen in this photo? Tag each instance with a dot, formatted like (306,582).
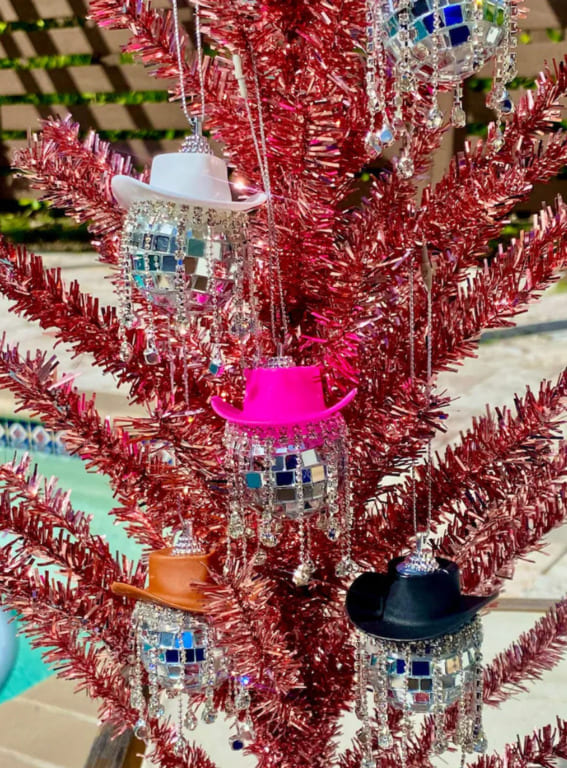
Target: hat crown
(191,174)
(296,392)
(424,597)
(173,577)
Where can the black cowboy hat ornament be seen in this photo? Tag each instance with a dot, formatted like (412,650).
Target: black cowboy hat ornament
(419,649)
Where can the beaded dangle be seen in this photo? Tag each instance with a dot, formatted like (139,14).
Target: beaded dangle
(438,43)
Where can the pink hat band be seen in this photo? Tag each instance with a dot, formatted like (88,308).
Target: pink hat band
(280,396)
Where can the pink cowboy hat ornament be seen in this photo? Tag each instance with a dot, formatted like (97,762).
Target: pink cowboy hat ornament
(289,454)
(281,397)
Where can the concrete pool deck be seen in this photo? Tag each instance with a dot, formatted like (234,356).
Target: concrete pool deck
(49,726)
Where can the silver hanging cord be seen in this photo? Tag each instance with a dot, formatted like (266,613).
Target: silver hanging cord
(412,377)
(421,560)
(275,281)
(193,122)
(428,281)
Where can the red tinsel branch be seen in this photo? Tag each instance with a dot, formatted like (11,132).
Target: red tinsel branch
(286,703)
(512,530)
(543,748)
(75,175)
(481,187)
(533,653)
(64,408)
(133,463)
(41,515)
(490,300)
(501,450)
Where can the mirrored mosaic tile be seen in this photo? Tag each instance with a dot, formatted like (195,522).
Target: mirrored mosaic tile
(456,35)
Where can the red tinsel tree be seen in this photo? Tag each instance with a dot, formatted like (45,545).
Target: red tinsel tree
(346,274)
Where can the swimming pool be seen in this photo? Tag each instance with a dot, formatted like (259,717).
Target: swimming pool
(90,493)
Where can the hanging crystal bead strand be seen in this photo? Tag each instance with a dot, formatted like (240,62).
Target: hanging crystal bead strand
(209,713)
(405,84)
(236,444)
(346,566)
(463,732)
(376,81)
(364,734)
(505,70)
(434,119)
(406,724)
(334,524)
(458,114)
(267,536)
(304,571)
(151,352)
(137,699)
(385,738)
(125,306)
(180,279)
(478,736)
(440,739)
(216,364)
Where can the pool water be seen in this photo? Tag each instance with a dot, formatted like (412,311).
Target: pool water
(90,493)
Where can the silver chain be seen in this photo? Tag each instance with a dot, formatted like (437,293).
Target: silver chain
(429,390)
(177,28)
(429,291)
(275,279)
(412,377)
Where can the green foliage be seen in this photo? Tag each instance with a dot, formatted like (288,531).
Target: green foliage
(78,99)
(484,84)
(33,222)
(556,35)
(49,62)
(41,25)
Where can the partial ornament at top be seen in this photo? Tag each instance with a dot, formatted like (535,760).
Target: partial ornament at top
(415,48)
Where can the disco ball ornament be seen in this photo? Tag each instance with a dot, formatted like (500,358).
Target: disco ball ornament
(419,649)
(184,244)
(470,33)
(288,456)
(180,254)
(172,639)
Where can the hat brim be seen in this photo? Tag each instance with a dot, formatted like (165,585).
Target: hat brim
(128,190)
(191,602)
(239,416)
(364,605)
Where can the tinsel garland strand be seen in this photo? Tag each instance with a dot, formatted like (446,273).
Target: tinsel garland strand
(543,748)
(75,175)
(469,205)
(32,507)
(466,210)
(513,530)
(493,296)
(533,653)
(500,450)
(133,464)
(41,597)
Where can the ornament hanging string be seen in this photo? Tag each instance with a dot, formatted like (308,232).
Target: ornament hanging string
(193,122)
(275,278)
(427,275)
(427,268)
